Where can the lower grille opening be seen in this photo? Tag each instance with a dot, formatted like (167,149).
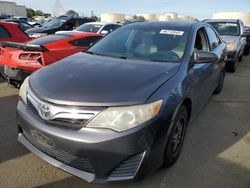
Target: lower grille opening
(75,161)
(127,168)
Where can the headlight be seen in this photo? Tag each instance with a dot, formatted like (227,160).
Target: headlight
(123,118)
(36,35)
(232,46)
(23,90)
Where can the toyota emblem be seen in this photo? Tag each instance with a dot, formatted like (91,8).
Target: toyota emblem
(45,111)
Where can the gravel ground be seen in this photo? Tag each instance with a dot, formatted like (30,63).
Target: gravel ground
(216,152)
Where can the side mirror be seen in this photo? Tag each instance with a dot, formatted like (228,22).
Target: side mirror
(245,34)
(201,56)
(104,32)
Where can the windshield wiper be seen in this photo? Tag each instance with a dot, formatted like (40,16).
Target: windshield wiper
(92,53)
(123,57)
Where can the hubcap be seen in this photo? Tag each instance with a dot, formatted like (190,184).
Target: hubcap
(178,136)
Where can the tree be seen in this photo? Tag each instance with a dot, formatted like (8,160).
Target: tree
(95,18)
(39,13)
(72,13)
(139,18)
(30,12)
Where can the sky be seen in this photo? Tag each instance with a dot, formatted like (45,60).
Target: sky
(197,8)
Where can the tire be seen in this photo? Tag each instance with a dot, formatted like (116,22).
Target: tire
(232,66)
(246,51)
(240,58)
(176,137)
(220,84)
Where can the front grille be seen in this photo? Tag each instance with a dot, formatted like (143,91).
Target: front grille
(75,161)
(32,107)
(127,168)
(61,115)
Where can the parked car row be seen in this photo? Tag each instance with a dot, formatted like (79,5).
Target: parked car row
(61,23)
(119,109)
(19,60)
(96,27)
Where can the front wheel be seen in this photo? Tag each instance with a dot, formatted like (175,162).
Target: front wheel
(176,138)
(231,66)
(246,51)
(240,58)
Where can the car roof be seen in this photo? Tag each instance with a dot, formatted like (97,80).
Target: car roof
(222,20)
(165,23)
(102,23)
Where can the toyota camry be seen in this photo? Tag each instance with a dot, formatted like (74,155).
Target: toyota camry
(120,110)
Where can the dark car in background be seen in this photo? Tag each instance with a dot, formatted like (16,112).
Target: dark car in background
(126,22)
(23,24)
(233,32)
(2,17)
(247,50)
(120,111)
(61,23)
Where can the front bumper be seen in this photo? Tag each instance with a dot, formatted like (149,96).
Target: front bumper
(95,155)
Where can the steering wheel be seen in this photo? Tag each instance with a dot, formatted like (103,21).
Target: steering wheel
(165,55)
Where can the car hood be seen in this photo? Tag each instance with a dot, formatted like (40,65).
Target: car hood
(88,80)
(228,39)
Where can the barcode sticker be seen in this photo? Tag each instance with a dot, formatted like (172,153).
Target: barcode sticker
(171,32)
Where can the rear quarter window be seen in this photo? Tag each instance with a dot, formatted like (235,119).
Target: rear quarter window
(49,39)
(4,33)
(85,41)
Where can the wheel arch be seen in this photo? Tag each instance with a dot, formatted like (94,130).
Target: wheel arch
(187,102)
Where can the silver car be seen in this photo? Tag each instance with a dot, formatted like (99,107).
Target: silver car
(233,33)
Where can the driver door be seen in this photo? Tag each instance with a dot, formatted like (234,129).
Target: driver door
(200,75)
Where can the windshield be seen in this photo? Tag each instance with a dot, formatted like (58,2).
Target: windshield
(160,44)
(226,28)
(57,22)
(93,28)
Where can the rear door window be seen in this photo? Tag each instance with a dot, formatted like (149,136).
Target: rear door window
(24,26)
(4,33)
(108,28)
(115,27)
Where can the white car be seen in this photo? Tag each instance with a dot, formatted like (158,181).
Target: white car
(27,19)
(96,27)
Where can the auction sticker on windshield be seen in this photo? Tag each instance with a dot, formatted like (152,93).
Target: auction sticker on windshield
(172,32)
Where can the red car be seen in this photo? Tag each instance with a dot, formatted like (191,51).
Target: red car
(12,32)
(18,60)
